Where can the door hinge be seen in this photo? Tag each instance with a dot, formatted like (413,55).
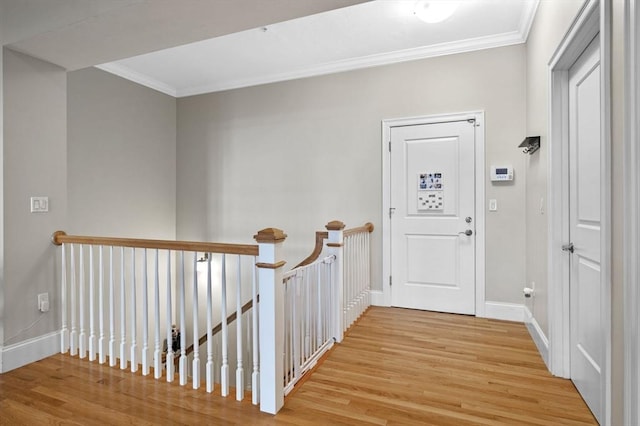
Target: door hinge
(471,121)
(389,146)
(391,211)
(390,282)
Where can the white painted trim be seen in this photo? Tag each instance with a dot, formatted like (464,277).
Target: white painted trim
(528,18)
(131,75)
(632,214)
(32,350)
(504,311)
(538,336)
(377,298)
(592,19)
(479,194)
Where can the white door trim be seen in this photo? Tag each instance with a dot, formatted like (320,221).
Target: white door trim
(387,125)
(592,19)
(632,213)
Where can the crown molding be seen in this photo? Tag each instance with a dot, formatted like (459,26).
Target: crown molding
(142,79)
(500,40)
(362,62)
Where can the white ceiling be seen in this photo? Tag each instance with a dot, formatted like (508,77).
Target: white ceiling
(363,35)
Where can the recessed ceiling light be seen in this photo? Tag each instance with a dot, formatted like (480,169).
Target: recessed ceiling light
(434,11)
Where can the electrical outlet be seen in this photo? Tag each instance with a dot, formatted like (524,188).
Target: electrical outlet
(39,204)
(43,302)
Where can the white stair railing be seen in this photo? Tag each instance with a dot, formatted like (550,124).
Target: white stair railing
(129,282)
(357,273)
(308,292)
(300,314)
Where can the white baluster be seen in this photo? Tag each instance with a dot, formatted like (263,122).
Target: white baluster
(288,331)
(360,282)
(239,367)
(195,373)
(64,333)
(134,333)
(348,283)
(112,313)
(183,329)
(123,314)
(145,316)
(224,369)
(102,349)
(368,262)
(319,335)
(308,310)
(74,332)
(82,343)
(92,325)
(353,261)
(296,321)
(157,354)
(209,365)
(170,355)
(255,375)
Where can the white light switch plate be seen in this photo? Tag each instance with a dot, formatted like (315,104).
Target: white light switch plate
(493,205)
(39,204)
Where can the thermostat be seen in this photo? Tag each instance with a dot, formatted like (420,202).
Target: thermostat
(501,173)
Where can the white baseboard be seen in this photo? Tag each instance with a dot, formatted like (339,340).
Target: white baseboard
(541,341)
(32,350)
(377,298)
(504,311)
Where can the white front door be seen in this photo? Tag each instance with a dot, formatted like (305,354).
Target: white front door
(587,342)
(432,187)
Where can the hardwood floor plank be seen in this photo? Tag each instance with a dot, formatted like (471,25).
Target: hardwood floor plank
(394,367)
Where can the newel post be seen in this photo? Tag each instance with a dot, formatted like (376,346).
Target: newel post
(271,318)
(335,247)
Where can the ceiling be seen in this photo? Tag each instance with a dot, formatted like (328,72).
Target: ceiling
(77,34)
(201,46)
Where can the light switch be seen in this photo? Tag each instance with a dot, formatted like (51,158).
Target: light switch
(493,205)
(39,204)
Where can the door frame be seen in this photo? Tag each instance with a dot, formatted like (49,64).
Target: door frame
(387,125)
(632,213)
(592,19)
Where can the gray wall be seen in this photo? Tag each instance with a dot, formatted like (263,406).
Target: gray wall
(122,157)
(617,211)
(35,164)
(298,154)
(1,191)
(552,21)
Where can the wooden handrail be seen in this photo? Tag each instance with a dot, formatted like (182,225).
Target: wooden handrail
(217,329)
(317,249)
(367,227)
(323,235)
(60,237)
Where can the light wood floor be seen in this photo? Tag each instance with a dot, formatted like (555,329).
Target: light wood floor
(395,366)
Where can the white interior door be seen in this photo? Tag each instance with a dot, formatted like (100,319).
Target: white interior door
(587,334)
(432,186)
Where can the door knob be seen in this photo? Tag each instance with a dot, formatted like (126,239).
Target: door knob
(468,219)
(468,232)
